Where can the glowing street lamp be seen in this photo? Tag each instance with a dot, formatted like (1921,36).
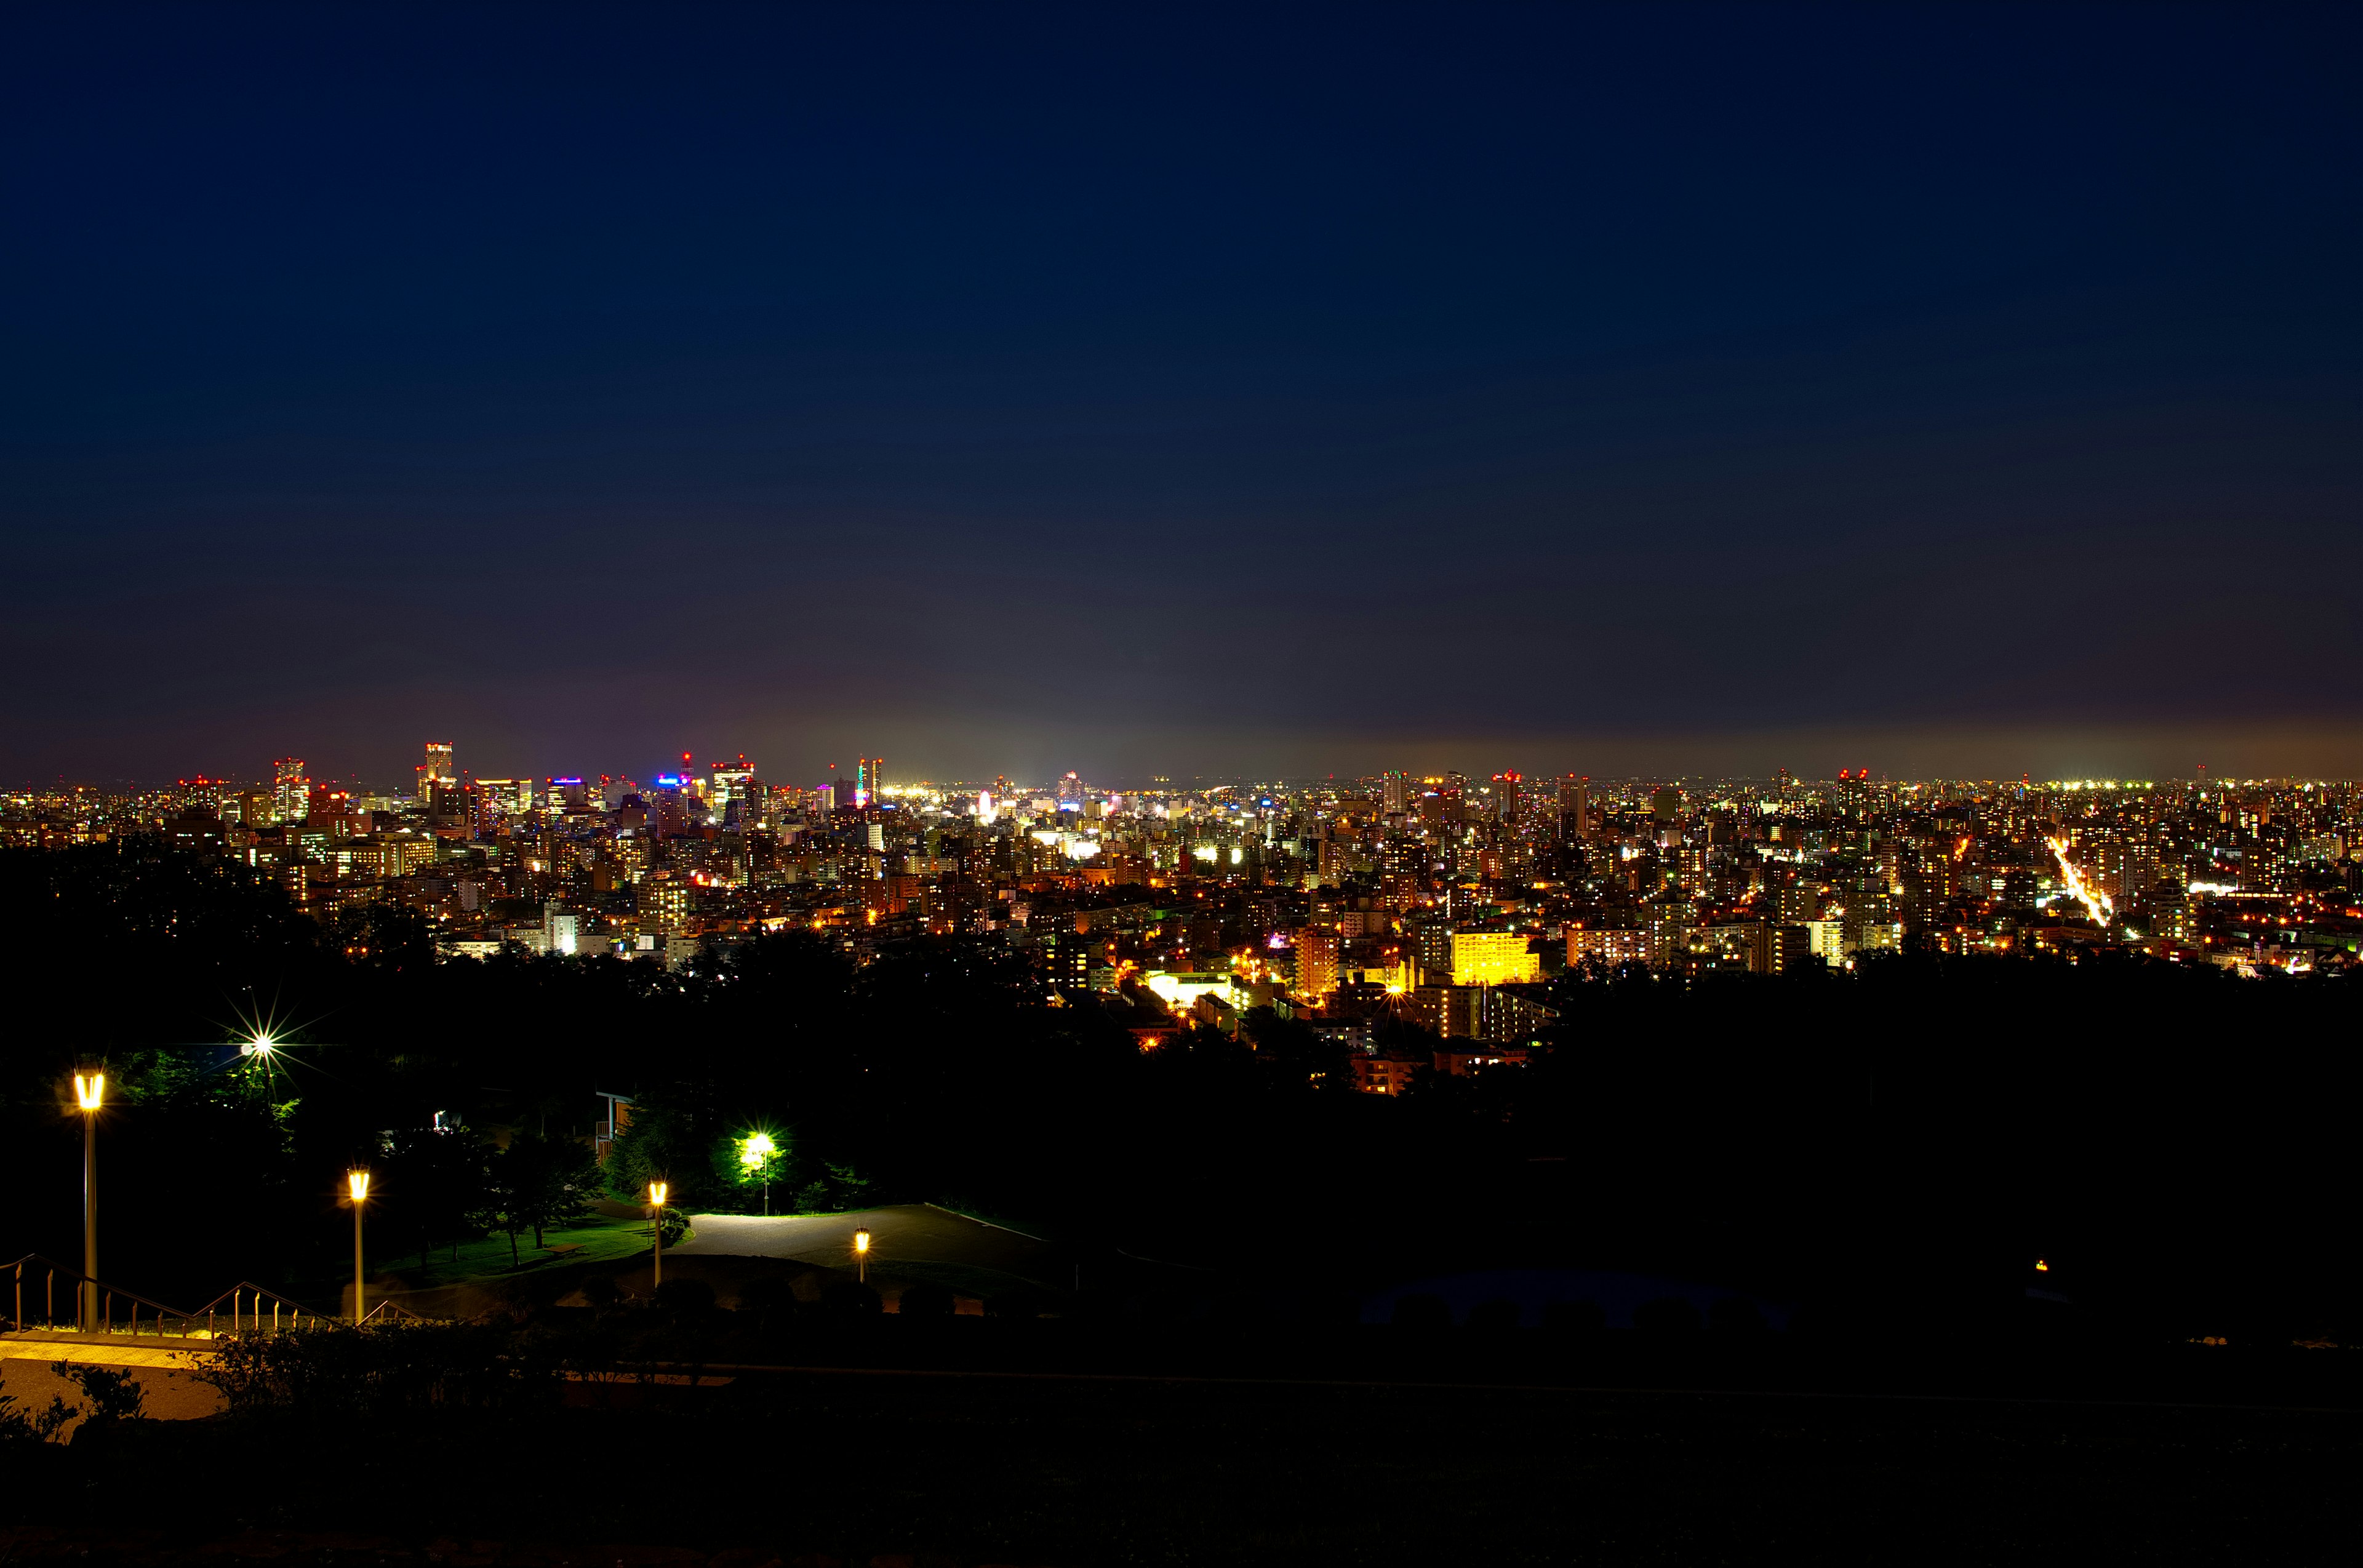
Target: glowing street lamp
(657,1191)
(357,1187)
(755,1152)
(861,1256)
(90,1093)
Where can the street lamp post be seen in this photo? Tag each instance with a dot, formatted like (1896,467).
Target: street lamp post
(861,1256)
(657,1191)
(357,1184)
(90,1092)
(756,1153)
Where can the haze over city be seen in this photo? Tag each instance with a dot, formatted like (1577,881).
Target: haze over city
(1629,390)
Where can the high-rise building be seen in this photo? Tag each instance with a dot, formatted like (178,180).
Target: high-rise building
(1505,795)
(731,791)
(869,780)
(1317,962)
(1575,806)
(437,769)
(1395,790)
(291,791)
(1493,958)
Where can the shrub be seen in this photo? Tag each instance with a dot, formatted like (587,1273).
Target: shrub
(114,1393)
(1574,1317)
(1494,1315)
(29,1426)
(380,1368)
(847,1298)
(1667,1316)
(1420,1310)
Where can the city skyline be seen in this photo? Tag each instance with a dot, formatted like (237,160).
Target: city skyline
(2262,752)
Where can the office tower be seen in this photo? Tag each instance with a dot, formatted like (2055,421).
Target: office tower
(731,791)
(437,769)
(1506,796)
(1575,806)
(869,780)
(291,792)
(1397,793)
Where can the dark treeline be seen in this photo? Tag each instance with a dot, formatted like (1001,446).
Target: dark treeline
(1894,1145)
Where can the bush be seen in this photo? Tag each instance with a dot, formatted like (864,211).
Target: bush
(29,1425)
(1574,1317)
(847,1298)
(774,1293)
(380,1368)
(114,1393)
(687,1297)
(1736,1318)
(927,1301)
(1668,1316)
(1420,1310)
(1494,1315)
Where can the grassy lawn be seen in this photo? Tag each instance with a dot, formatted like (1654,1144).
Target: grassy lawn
(602,1240)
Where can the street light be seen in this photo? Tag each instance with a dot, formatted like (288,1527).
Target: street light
(756,1154)
(861,1256)
(90,1092)
(657,1191)
(357,1184)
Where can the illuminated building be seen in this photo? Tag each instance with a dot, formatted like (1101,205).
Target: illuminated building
(1317,962)
(1612,946)
(437,768)
(507,796)
(1494,958)
(664,903)
(731,790)
(1506,796)
(291,792)
(1574,807)
(868,780)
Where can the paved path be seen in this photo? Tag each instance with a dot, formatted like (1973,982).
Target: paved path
(914,1233)
(166,1374)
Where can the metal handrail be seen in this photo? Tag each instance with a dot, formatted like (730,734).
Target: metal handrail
(237,1295)
(393,1310)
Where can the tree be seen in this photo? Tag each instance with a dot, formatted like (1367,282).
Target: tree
(545,1182)
(436,1185)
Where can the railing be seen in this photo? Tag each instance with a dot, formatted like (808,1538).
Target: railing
(245,1300)
(390,1311)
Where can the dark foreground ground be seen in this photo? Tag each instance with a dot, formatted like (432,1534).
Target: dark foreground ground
(1067,1471)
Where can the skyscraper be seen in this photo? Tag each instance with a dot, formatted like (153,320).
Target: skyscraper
(437,768)
(1317,962)
(1574,806)
(869,780)
(291,792)
(730,793)
(1505,795)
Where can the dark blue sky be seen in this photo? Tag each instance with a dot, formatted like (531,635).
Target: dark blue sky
(998,387)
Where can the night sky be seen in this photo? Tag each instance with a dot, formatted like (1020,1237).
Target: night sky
(1003,388)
